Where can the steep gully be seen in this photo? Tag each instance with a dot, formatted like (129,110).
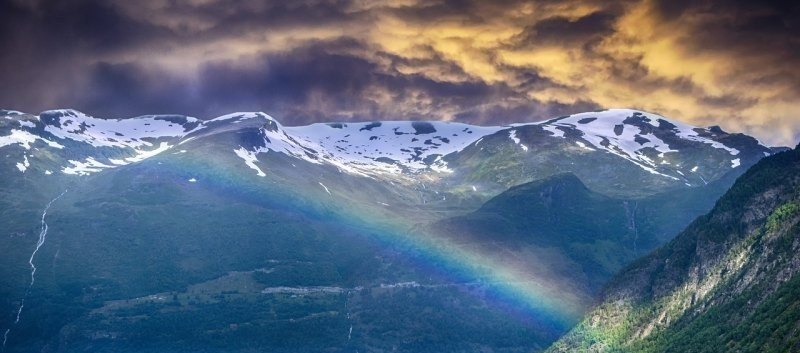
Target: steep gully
(39,243)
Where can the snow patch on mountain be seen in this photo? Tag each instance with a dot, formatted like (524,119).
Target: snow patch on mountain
(145,154)
(513,136)
(86,167)
(583,145)
(23,166)
(25,139)
(133,133)
(553,130)
(440,166)
(91,165)
(25,123)
(250,159)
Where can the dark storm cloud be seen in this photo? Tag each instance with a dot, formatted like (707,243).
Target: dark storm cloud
(90,27)
(745,27)
(508,114)
(318,83)
(562,29)
(305,85)
(285,82)
(732,63)
(125,90)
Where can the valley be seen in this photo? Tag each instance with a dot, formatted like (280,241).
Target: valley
(238,232)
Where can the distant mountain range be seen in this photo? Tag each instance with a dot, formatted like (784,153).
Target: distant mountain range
(237,233)
(659,152)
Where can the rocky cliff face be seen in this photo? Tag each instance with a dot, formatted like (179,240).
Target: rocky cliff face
(727,283)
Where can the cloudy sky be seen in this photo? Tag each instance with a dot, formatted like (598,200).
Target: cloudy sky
(707,62)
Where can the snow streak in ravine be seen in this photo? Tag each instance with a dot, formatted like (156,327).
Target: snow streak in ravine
(39,244)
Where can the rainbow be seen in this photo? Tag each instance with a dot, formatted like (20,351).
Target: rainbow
(548,299)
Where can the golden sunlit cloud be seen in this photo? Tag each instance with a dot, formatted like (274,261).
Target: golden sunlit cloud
(704,62)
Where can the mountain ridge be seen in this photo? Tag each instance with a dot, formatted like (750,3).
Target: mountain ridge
(729,280)
(665,153)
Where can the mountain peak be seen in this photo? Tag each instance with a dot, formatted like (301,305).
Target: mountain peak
(558,183)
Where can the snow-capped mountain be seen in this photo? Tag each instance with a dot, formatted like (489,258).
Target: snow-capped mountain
(365,149)
(86,144)
(619,151)
(241,222)
(636,136)
(663,153)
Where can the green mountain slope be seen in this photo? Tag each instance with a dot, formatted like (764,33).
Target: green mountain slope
(582,237)
(141,259)
(728,283)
